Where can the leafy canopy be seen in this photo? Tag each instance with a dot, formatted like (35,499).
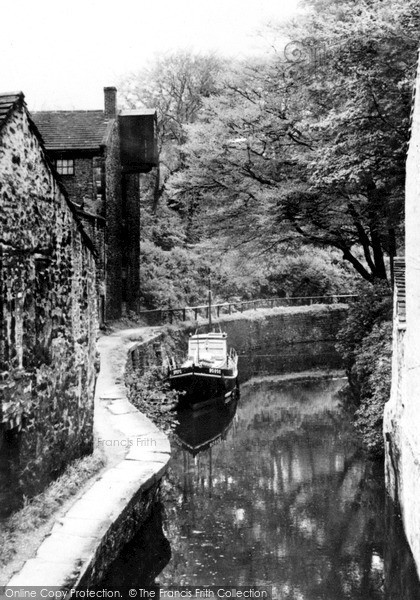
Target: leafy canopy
(310,143)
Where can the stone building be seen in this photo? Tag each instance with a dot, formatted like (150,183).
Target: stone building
(402,412)
(100,155)
(48,311)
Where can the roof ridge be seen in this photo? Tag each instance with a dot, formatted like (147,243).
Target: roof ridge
(8,102)
(69,110)
(8,94)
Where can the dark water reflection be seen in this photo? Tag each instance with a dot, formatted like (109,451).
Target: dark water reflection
(282,497)
(11,497)
(142,559)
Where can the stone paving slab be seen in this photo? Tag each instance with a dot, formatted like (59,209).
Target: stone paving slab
(102,508)
(142,471)
(81,527)
(120,406)
(134,424)
(37,571)
(116,393)
(140,455)
(61,547)
(152,442)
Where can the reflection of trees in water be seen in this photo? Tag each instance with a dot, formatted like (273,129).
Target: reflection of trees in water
(286,499)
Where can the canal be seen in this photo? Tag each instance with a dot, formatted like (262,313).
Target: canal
(274,491)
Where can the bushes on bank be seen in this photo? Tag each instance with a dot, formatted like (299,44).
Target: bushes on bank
(151,394)
(373,369)
(365,343)
(311,272)
(171,278)
(178,276)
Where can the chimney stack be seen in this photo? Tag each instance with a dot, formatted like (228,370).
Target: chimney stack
(110,97)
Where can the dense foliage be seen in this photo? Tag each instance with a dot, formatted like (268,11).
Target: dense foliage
(276,155)
(365,343)
(150,393)
(373,369)
(372,307)
(310,144)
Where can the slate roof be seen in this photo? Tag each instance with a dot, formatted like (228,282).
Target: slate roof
(399,279)
(72,129)
(7,102)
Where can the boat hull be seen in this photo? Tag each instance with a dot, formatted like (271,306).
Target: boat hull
(200,429)
(202,384)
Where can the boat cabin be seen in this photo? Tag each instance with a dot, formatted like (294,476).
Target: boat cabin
(207,347)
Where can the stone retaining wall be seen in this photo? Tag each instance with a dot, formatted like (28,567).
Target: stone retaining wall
(277,340)
(286,340)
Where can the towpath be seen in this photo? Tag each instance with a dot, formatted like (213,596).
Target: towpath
(110,387)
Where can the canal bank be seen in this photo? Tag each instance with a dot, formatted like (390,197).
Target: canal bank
(83,543)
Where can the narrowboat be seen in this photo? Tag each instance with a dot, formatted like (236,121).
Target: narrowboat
(210,370)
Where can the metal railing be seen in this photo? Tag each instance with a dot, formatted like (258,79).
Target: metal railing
(165,315)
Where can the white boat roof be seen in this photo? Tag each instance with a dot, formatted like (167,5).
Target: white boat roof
(215,335)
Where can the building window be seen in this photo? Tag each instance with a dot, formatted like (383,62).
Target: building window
(65,166)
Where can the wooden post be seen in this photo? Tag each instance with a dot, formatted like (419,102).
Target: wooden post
(184,314)
(209,309)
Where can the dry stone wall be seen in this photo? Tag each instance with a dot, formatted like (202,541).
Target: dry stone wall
(48,313)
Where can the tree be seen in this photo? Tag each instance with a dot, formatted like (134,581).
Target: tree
(298,147)
(355,168)
(175,84)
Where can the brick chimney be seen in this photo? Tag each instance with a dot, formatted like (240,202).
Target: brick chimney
(110,97)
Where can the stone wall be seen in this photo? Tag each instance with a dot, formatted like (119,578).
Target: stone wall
(394,410)
(402,444)
(286,340)
(402,412)
(279,327)
(48,313)
(268,341)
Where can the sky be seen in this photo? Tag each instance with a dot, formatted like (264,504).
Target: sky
(62,53)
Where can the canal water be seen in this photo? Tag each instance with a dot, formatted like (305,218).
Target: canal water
(273,491)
